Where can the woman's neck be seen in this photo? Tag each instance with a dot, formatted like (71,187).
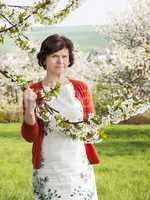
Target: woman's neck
(50,81)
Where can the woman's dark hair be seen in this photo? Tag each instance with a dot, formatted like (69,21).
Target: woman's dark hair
(52,44)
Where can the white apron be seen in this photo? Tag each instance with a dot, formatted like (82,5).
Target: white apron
(65,171)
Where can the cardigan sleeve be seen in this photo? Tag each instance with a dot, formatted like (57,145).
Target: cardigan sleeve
(89,103)
(29,132)
(91,151)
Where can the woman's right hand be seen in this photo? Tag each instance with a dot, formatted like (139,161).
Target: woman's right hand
(29,97)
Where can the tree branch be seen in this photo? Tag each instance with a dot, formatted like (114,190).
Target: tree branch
(15,6)
(12,25)
(34,12)
(27,17)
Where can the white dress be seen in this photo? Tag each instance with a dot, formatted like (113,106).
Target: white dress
(65,172)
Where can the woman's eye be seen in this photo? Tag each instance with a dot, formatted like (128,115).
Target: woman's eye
(55,56)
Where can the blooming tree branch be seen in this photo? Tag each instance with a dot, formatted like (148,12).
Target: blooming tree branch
(15,22)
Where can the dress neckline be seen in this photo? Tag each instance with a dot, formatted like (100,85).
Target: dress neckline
(68,83)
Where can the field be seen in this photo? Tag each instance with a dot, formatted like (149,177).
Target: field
(85,36)
(124,172)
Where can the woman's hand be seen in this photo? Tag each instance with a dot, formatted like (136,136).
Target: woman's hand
(29,98)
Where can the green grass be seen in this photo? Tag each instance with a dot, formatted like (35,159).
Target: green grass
(125,169)
(123,174)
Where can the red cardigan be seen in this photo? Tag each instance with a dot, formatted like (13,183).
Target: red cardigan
(35,133)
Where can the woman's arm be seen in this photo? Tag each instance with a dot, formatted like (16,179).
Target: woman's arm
(30,126)
(89,103)
(91,151)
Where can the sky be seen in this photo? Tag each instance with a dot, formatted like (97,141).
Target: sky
(91,12)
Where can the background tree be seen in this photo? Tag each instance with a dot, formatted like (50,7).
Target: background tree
(129,67)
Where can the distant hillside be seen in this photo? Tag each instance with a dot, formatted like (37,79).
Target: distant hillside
(85,36)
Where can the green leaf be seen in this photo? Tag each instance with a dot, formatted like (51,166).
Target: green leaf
(103,134)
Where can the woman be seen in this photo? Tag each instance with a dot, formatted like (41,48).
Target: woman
(61,166)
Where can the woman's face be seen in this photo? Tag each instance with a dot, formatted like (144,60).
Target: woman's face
(57,62)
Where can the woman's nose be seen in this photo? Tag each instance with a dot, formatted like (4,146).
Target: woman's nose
(60,59)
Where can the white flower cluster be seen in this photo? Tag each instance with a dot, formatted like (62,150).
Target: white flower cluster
(89,131)
(92,130)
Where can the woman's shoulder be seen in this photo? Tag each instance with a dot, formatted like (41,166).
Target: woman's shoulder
(80,83)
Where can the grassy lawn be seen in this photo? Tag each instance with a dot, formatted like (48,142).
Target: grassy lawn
(124,173)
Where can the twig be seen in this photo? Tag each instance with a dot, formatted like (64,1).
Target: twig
(15,6)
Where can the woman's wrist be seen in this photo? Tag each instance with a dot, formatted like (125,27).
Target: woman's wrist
(29,112)
(29,117)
